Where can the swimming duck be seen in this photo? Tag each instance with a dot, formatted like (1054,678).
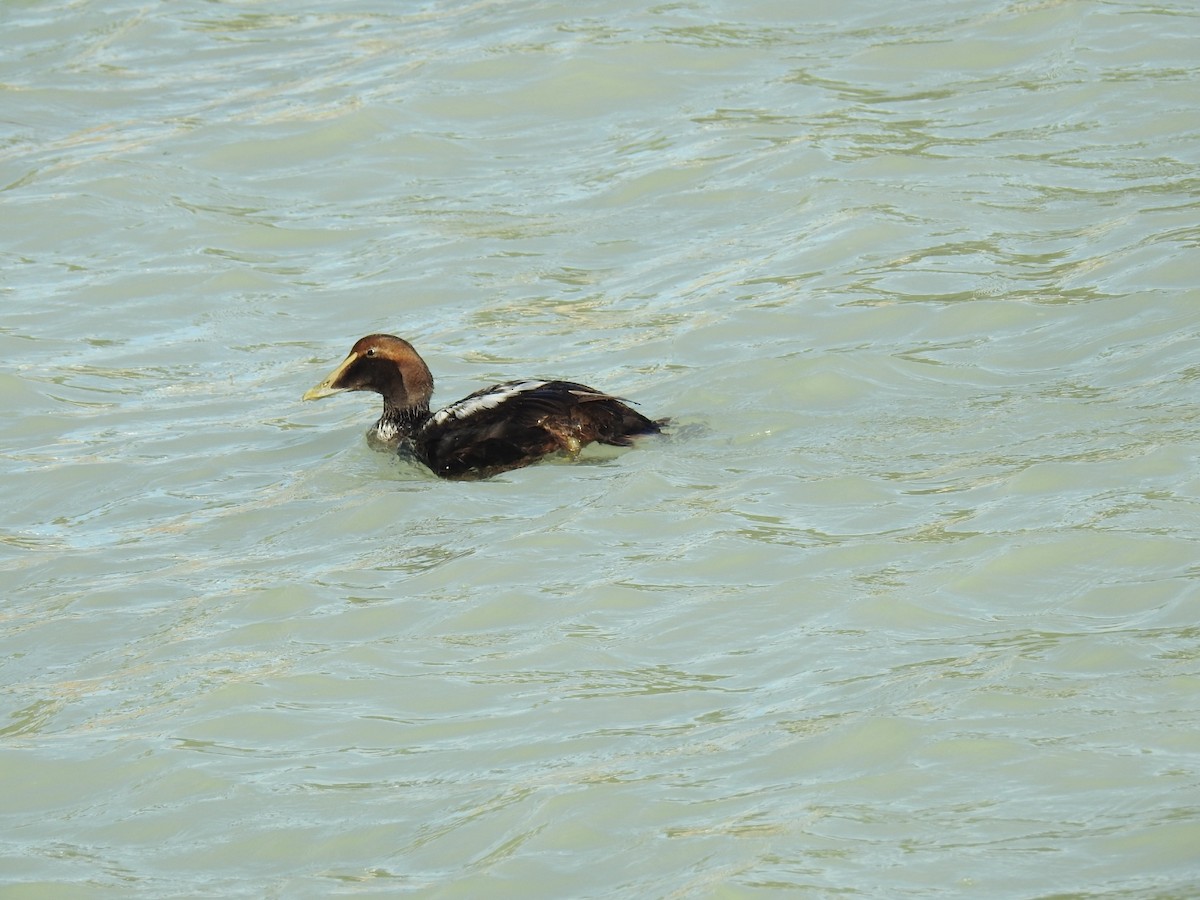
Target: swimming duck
(495,429)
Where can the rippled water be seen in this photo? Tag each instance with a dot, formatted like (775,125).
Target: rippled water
(905,605)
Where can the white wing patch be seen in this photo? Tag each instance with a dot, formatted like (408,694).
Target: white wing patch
(493,398)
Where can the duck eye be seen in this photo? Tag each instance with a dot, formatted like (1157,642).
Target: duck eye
(370,351)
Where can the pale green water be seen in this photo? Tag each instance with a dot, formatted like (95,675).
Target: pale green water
(906,608)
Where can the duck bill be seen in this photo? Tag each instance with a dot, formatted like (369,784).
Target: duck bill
(326,388)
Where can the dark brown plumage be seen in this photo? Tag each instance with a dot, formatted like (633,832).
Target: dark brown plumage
(497,428)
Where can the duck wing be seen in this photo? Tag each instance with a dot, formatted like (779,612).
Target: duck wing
(513,424)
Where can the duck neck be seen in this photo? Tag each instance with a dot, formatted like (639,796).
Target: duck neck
(399,422)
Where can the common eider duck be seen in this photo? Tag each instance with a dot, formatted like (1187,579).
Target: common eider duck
(495,429)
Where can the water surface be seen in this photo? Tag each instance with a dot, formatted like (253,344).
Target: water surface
(905,606)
